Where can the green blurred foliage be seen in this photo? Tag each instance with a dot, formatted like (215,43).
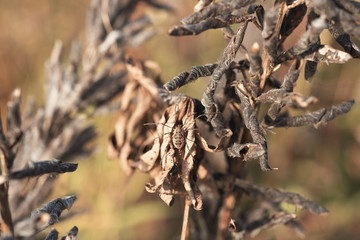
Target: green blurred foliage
(320,164)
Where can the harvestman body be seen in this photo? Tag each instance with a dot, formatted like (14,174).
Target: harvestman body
(178,137)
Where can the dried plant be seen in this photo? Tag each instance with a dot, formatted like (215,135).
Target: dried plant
(140,104)
(102,79)
(175,155)
(176,159)
(83,87)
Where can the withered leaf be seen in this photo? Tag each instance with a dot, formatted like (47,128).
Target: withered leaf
(328,55)
(308,43)
(52,235)
(174,147)
(44,167)
(185,77)
(310,70)
(262,193)
(237,149)
(317,118)
(72,234)
(291,20)
(210,23)
(254,227)
(129,136)
(55,208)
(13,118)
(219,8)
(251,123)
(201,4)
(281,97)
(175,155)
(344,40)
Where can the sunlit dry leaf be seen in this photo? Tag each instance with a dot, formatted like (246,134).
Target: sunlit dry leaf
(201,4)
(218,8)
(328,55)
(148,159)
(281,97)
(237,149)
(298,100)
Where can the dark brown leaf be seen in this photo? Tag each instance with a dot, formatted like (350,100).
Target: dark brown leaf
(55,208)
(261,193)
(44,167)
(52,235)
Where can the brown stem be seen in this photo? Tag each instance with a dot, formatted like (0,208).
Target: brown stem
(185,220)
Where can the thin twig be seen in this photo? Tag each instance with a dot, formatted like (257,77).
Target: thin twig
(185,221)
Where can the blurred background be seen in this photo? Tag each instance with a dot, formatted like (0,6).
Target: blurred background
(320,164)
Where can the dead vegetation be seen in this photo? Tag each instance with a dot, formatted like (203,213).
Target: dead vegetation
(176,159)
(172,149)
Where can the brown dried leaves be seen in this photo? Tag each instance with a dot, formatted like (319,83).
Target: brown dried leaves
(174,157)
(176,153)
(234,110)
(140,104)
(171,152)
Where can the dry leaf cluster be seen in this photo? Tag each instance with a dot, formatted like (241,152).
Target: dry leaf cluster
(140,104)
(78,88)
(176,161)
(101,79)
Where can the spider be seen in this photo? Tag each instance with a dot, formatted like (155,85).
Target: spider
(176,153)
(174,157)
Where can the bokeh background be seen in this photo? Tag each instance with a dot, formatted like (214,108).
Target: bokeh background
(320,164)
